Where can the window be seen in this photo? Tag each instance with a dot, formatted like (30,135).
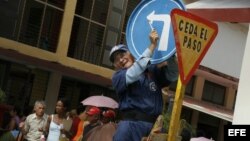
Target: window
(214,93)
(88,29)
(40,24)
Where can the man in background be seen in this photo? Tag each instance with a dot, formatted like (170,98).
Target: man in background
(34,126)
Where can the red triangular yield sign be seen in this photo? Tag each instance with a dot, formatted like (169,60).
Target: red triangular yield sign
(193,36)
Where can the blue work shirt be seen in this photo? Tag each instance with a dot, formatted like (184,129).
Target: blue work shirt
(139,87)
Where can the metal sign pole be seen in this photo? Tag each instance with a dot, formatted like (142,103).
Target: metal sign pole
(176,112)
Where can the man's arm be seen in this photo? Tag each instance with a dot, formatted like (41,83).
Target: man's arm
(139,66)
(24,126)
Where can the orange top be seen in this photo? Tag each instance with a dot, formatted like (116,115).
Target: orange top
(79,131)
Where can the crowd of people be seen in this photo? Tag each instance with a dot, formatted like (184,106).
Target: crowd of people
(64,125)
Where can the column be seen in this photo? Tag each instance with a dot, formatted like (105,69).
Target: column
(53,91)
(241,110)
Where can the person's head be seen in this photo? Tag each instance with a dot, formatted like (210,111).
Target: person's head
(72,114)
(62,106)
(39,108)
(93,114)
(15,111)
(108,115)
(121,57)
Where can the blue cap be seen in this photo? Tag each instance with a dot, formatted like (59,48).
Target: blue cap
(120,47)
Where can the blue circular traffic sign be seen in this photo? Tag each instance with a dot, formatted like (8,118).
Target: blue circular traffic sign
(148,15)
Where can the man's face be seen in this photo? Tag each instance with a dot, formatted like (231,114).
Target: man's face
(39,110)
(123,60)
(93,118)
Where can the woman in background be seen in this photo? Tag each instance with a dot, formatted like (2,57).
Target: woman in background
(58,125)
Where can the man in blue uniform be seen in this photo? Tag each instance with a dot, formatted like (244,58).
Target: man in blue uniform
(138,84)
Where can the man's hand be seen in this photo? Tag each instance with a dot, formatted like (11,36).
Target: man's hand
(153,36)
(21,125)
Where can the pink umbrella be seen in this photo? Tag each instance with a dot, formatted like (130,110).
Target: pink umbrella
(201,139)
(100,101)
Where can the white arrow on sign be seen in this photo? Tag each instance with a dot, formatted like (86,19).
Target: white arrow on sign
(163,44)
